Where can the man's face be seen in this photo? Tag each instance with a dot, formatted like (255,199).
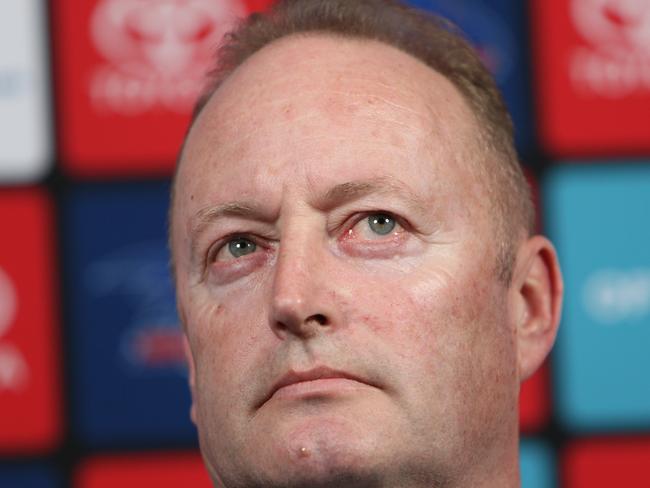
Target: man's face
(329,223)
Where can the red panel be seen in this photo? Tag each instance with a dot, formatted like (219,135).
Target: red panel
(30,410)
(534,402)
(128,73)
(593,62)
(606,463)
(162,471)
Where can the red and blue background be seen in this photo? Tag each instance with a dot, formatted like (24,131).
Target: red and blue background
(94,101)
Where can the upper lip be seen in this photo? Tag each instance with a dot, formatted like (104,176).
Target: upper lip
(318,373)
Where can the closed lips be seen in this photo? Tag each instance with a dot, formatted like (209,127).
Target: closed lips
(313,376)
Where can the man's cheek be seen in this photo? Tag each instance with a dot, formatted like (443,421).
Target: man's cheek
(222,319)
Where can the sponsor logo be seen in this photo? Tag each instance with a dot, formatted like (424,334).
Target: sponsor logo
(616,60)
(154,347)
(13,367)
(156,52)
(139,274)
(613,296)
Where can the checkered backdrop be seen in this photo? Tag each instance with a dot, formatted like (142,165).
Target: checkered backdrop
(94,101)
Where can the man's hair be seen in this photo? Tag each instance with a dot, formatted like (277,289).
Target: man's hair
(434,41)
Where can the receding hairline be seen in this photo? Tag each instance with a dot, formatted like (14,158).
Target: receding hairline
(289,39)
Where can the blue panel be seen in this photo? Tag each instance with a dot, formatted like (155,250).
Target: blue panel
(129,374)
(598,218)
(537,465)
(498,28)
(27,477)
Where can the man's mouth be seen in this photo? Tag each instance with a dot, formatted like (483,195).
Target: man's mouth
(318,381)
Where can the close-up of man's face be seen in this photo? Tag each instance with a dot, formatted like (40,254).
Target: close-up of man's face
(335,257)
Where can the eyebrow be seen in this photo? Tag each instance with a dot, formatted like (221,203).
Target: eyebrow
(335,196)
(354,190)
(207,215)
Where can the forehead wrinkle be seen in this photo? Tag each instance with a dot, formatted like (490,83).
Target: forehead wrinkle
(243,136)
(352,99)
(231,114)
(235,144)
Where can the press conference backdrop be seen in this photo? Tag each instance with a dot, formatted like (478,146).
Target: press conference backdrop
(94,100)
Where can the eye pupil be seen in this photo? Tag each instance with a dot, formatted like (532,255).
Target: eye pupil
(381,224)
(240,247)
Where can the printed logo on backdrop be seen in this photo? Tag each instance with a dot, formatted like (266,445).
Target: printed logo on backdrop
(614,296)
(13,367)
(616,62)
(152,341)
(156,52)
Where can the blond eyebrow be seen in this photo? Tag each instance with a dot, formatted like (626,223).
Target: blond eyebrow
(354,190)
(207,215)
(335,196)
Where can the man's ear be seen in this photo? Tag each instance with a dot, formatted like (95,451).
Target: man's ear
(192,375)
(536,302)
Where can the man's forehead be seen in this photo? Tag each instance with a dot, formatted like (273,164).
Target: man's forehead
(311,56)
(262,114)
(341,76)
(339,72)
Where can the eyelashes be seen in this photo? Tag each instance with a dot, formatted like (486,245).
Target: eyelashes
(376,226)
(233,247)
(237,247)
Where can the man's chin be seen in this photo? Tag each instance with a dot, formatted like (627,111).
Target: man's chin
(318,451)
(336,477)
(322,467)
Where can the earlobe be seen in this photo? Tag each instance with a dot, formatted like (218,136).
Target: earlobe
(191,376)
(538,288)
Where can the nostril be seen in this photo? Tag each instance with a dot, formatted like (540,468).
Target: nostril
(319,318)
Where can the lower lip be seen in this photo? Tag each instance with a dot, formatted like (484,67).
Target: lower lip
(320,387)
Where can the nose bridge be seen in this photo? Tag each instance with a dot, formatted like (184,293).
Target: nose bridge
(298,248)
(297,293)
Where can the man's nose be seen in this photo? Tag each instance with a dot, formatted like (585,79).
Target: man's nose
(303,297)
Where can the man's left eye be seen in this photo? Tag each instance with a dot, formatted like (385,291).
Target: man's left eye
(375,226)
(381,223)
(234,248)
(241,246)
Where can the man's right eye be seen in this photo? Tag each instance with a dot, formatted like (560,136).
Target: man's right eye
(241,246)
(234,248)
